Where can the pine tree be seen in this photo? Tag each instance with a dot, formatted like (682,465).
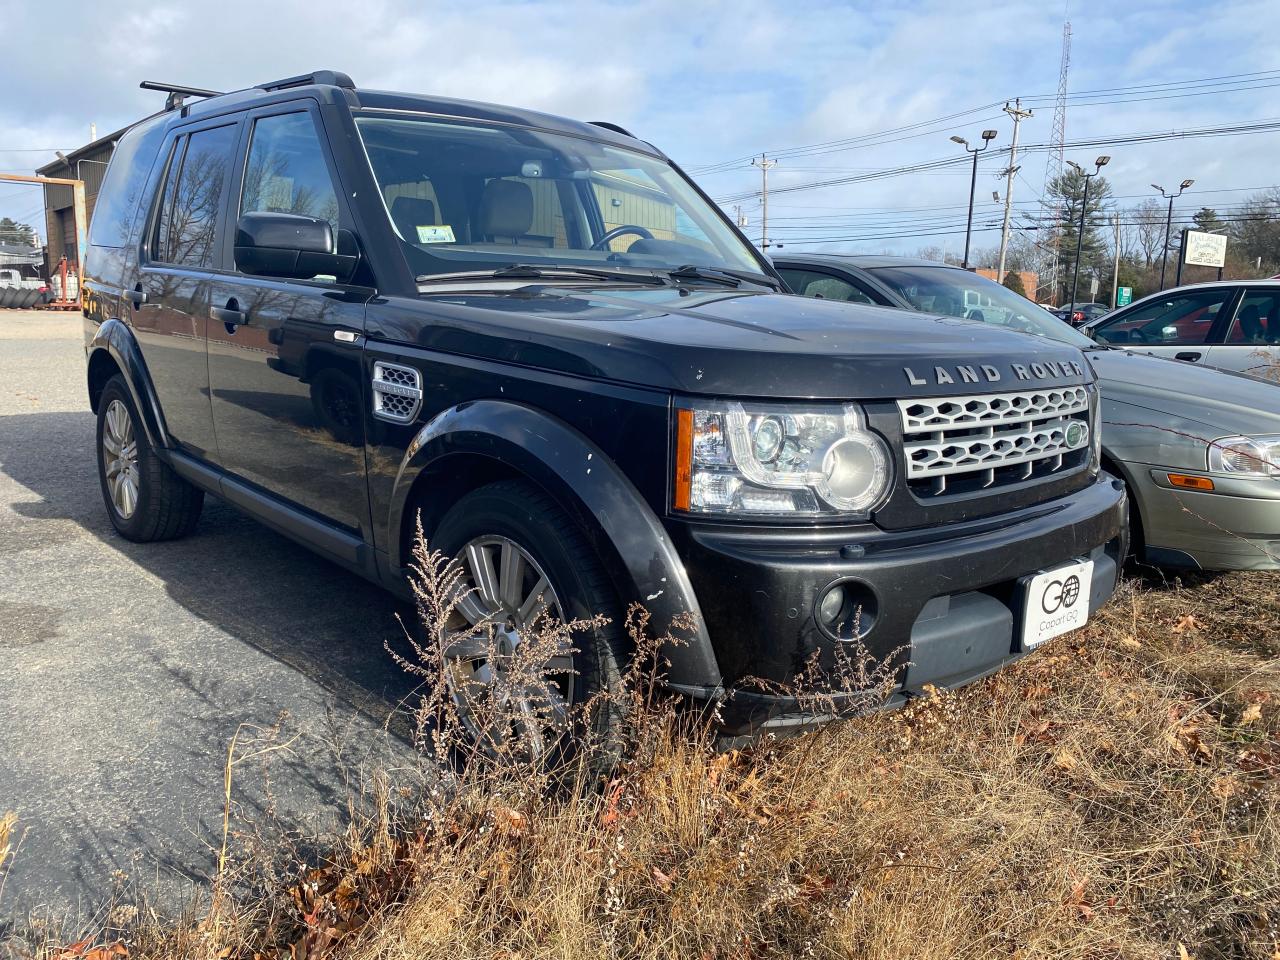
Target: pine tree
(16,234)
(1013,280)
(1069,188)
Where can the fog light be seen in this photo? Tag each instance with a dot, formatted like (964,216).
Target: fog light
(831,605)
(846,610)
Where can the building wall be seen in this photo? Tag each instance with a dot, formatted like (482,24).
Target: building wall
(58,205)
(1030,279)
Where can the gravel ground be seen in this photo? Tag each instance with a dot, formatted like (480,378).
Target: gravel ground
(125,669)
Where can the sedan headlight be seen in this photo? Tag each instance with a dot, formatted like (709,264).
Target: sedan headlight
(1246,456)
(766,460)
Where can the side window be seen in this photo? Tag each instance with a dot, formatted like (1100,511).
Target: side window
(811,283)
(1257,321)
(286,170)
(120,196)
(194,188)
(1174,320)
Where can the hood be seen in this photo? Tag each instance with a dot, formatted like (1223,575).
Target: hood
(1224,402)
(730,343)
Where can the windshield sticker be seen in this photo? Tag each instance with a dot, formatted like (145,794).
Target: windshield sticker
(435,234)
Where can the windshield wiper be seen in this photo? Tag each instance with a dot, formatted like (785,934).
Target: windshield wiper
(528,271)
(724,275)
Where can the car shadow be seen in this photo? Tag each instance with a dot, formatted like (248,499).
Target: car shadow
(249,582)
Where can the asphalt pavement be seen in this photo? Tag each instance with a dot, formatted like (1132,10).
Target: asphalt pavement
(126,669)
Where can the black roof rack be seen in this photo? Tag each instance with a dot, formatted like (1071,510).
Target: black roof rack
(176,92)
(331,78)
(614,127)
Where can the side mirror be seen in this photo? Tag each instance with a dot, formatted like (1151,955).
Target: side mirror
(294,247)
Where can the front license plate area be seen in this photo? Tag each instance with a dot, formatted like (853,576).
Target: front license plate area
(1055,602)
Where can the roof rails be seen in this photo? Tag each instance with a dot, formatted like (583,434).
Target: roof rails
(330,78)
(177,93)
(614,127)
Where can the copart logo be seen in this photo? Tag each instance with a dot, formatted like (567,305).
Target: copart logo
(1060,594)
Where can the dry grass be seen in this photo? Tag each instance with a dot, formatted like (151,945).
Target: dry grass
(1115,795)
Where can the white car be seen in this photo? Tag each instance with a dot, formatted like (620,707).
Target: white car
(1234,325)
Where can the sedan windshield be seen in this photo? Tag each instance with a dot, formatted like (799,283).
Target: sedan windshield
(468,199)
(957,293)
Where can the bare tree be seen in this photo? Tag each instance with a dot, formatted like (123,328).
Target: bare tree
(1147,220)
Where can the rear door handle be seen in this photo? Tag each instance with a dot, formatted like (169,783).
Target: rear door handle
(1188,355)
(231,314)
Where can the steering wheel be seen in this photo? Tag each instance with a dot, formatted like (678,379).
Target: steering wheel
(622,231)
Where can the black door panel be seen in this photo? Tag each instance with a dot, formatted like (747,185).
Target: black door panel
(287,395)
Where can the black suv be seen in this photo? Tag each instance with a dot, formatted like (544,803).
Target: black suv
(341,309)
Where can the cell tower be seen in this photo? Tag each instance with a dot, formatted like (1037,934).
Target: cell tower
(1053,166)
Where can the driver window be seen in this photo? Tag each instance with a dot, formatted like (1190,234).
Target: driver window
(1174,320)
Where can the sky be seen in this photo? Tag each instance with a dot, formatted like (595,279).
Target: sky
(711,84)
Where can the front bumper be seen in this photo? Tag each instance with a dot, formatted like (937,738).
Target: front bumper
(1236,527)
(945,599)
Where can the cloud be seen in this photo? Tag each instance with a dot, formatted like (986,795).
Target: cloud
(708,82)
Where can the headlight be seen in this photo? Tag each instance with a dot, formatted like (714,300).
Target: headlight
(764,460)
(1246,456)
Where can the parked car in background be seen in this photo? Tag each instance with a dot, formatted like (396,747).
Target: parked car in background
(1078,314)
(1199,449)
(1234,325)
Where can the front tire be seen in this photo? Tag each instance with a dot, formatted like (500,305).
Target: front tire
(521,550)
(145,499)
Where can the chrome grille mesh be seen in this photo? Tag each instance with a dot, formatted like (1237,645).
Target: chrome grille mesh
(993,438)
(397,392)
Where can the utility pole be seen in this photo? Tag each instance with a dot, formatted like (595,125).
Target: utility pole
(764,163)
(1018,115)
(1115,270)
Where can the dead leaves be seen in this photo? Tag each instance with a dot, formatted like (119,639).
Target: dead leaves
(85,950)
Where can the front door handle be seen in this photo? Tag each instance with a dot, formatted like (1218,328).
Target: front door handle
(231,314)
(137,296)
(1190,356)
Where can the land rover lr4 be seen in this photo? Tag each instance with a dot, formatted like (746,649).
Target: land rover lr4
(341,309)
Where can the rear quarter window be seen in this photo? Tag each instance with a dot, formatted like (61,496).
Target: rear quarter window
(120,197)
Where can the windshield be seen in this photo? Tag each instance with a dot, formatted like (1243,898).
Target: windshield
(959,293)
(466,197)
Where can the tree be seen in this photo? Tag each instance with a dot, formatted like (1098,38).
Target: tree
(1147,218)
(16,234)
(1013,280)
(1207,219)
(1069,188)
(1254,233)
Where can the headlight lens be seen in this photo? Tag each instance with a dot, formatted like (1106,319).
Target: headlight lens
(757,460)
(1246,456)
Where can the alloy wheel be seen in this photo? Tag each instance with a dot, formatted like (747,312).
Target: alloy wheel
(509,596)
(120,459)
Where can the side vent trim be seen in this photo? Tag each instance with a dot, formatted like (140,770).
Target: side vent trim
(397,392)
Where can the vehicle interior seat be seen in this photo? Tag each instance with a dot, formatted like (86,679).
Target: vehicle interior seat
(408,213)
(506,213)
(1251,330)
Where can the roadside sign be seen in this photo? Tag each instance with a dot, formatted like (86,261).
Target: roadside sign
(1204,249)
(1093,288)
(1124,296)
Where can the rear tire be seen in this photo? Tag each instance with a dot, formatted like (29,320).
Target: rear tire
(145,499)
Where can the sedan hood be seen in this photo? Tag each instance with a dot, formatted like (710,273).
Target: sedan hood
(730,343)
(1224,402)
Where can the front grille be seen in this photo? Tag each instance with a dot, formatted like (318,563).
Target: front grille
(955,445)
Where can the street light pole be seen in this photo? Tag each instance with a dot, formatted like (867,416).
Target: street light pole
(1084,206)
(987,137)
(1168,223)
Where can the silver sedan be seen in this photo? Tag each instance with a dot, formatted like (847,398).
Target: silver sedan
(1198,448)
